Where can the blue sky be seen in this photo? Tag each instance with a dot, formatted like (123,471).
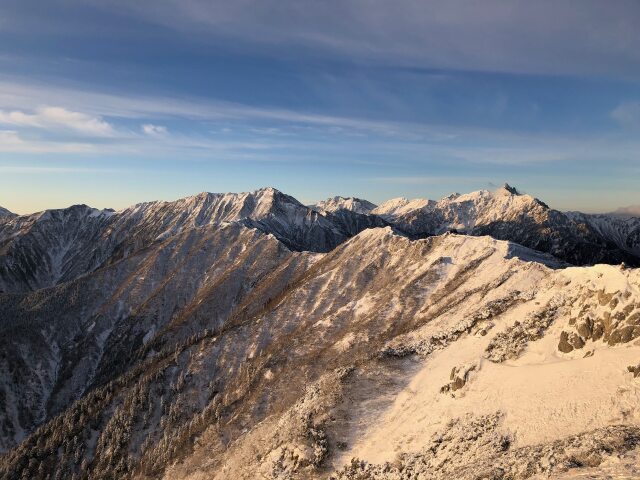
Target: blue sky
(111,102)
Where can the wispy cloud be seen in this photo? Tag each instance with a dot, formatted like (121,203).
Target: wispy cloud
(268,134)
(23,95)
(11,142)
(631,210)
(154,130)
(58,118)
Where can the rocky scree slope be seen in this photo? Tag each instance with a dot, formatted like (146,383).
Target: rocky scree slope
(220,353)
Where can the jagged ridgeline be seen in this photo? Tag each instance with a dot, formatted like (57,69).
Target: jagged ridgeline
(54,246)
(249,336)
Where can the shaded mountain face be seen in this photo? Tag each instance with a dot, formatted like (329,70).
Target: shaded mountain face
(4,212)
(220,353)
(351,215)
(508,215)
(45,248)
(622,231)
(82,334)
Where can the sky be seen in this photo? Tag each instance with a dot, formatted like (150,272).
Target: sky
(112,102)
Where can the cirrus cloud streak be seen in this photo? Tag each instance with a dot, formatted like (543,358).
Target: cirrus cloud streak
(58,118)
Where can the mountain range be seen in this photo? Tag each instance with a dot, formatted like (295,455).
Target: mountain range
(54,246)
(241,336)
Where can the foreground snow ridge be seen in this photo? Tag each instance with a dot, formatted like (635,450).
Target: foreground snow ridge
(198,339)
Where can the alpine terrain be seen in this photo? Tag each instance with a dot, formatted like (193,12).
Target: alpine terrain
(249,336)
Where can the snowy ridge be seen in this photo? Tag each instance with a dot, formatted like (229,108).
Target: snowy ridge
(55,246)
(509,215)
(461,212)
(351,204)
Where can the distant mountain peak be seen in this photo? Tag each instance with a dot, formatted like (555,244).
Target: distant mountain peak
(353,204)
(5,212)
(630,211)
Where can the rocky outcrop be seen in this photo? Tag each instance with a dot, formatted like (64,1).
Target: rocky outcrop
(635,369)
(458,378)
(610,319)
(511,343)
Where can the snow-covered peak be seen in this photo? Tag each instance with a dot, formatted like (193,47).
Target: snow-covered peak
(399,206)
(492,204)
(463,210)
(79,211)
(219,207)
(353,204)
(506,194)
